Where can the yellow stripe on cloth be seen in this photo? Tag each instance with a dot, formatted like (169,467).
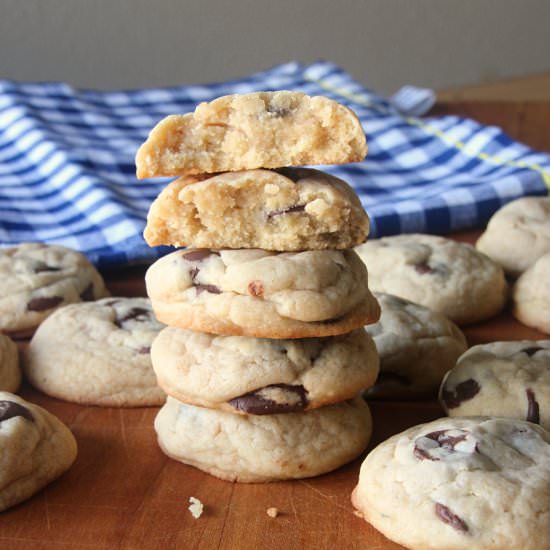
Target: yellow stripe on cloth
(419,123)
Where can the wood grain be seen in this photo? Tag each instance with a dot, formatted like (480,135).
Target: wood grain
(123,493)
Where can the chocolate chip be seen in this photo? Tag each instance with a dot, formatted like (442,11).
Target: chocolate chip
(289,210)
(448,517)
(137,314)
(41,267)
(9,409)
(423,268)
(213,289)
(462,392)
(444,439)
(199,255)
(144,350)
(87,295)
(531,351)
(255,403)
(533,412)
(256,288)
(278,112)
(388,376)
(193,273)
(42,304)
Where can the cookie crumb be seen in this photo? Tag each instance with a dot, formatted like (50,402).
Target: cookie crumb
(272,512)
(195,507)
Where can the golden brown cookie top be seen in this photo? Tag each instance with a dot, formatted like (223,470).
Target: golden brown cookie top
(256,130)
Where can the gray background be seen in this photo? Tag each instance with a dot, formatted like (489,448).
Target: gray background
(109,44)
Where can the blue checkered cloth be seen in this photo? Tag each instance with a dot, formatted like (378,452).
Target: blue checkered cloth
(67,173)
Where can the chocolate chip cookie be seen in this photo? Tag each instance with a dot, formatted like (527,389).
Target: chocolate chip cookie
(261,376)
(444,275)
(518,234)
(39,278)
(263,294)
(251,448)
(509,379)
(416,345)
(35,448)
(461,483)
(10,375)
(97,353)
(285,210)
(255,130)
(531,296)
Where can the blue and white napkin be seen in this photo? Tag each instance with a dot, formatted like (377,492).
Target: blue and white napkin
(67,172)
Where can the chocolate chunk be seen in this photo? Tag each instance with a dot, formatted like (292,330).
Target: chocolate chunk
(41,267)
(199,255)
(444,440)
(531,351)
(44,303)
(533,412)
(289,210)
(144,350)
(278,112)
(87,295)
(255,403)
(448,517)
(256,288)
(423,268)
(213,289)
(9,409)
(193,273)
(137,314)
(463,391)
(388,376)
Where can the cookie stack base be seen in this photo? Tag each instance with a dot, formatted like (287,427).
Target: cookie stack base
(254,449)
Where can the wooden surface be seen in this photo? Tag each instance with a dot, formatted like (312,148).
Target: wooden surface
(526,88)
(122,492)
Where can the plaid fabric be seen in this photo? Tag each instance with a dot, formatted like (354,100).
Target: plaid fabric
(67,161)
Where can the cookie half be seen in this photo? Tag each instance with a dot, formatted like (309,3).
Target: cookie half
(262,294)
(461,483)
(416,345)
(531,296)
(10,374)
(256,130)
(97,353)
(35,448)
(251,448)
(261,376)
(39,278)
(441,274)
(518,234)
(285,210)
(509,379)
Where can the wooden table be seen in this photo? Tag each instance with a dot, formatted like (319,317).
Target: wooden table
(122,492)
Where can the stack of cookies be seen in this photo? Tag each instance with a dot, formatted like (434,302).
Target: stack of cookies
(265,352)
